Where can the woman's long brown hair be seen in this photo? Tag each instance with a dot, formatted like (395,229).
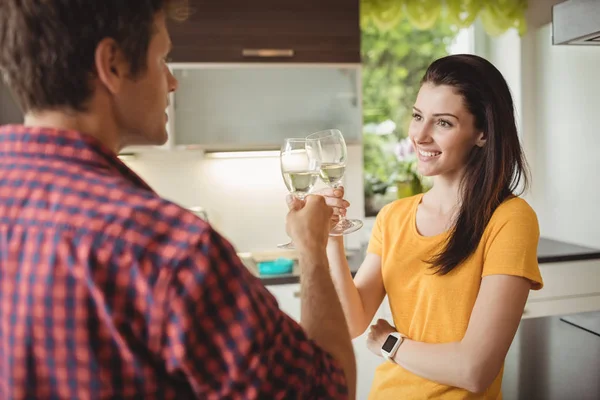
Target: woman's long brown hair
(493,172)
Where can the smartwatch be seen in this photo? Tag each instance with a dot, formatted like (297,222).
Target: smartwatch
(391,345)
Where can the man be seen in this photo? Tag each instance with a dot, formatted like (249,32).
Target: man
(107,290)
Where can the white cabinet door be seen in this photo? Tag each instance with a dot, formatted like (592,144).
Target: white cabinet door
(366,364)
(366,361)
(569,287)
(288,297)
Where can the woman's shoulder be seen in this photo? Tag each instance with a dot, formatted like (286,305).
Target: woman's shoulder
(514,206)
(514,211)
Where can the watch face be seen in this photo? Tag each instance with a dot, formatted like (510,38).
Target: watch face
(389,343)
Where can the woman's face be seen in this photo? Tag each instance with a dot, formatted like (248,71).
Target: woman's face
(442,131)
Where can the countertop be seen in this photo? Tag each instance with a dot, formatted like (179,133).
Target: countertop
(554,251)
(355,259)
(549,251)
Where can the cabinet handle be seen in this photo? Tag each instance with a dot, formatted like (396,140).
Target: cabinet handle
(297,294)
(268,53)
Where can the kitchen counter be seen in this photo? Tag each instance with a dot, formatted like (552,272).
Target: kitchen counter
(549,251)
(355,259)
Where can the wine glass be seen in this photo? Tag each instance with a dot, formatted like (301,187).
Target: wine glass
(300,172)
(329,150)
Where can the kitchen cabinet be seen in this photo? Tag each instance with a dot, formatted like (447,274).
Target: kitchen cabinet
(569,287)
(298,31)
(255,108)
(288,298)
(366,361)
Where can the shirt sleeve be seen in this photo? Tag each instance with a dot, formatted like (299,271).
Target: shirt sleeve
(376,240)
(227,336)
(511,248)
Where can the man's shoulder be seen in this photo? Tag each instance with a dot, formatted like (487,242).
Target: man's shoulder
(147,212)
(144,220)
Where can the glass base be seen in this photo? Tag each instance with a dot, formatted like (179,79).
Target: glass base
(345,227)
(289,246)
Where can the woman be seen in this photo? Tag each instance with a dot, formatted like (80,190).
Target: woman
(457,262)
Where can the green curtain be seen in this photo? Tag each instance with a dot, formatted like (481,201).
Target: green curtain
(497,16)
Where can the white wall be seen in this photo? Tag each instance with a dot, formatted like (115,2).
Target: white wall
(565,139)
(557,95)
(245,197)
(505,53)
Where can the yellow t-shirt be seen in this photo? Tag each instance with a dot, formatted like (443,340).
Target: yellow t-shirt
(436,308)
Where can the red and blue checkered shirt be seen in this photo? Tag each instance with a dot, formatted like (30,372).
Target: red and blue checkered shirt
(109,291)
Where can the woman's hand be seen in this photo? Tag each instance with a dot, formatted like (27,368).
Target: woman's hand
(378,333)
(334,198)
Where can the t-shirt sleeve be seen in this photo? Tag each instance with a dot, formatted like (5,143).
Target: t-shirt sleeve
(511,248)
(376,241)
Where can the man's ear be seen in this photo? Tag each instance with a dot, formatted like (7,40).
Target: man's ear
(111,66)
(481,139)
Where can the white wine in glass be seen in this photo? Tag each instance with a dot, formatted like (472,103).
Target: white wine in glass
(329,150)
(300,172)
(300,183)
(332,173)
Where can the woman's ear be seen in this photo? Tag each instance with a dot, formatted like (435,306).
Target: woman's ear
(481,139)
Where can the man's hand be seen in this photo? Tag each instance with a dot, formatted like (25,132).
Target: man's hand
(308,223)
(334,199)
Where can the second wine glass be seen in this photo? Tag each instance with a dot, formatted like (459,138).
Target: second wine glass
(329,150)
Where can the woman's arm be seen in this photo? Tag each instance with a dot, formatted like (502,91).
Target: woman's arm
(475,361)
(361,296)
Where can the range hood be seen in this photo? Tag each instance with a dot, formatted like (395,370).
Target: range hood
(576,22)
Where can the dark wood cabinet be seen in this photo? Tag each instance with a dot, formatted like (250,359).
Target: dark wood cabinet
(295,31)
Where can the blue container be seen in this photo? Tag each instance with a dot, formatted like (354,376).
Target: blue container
(276,267)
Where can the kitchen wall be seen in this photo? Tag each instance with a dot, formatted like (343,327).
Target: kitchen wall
(564,81)
(241,107)
(505,53)
(244,197)
(558,95)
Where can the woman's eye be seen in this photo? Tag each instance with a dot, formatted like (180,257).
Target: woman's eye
(444,124)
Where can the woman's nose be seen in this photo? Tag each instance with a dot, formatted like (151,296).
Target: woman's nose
(421,133)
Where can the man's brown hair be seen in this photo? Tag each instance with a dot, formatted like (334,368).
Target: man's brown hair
(47,46)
